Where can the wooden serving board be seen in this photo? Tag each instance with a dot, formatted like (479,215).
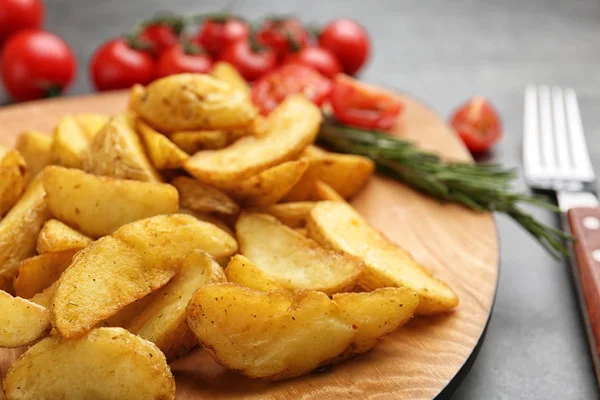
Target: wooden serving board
(417,362)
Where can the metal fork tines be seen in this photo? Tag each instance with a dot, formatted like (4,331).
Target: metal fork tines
(555,154)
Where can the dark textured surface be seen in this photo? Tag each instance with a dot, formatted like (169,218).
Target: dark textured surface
(443,52)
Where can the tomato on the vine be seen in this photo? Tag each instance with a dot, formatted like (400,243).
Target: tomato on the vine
(16,15)
(116,65)
(478,124)
(36,64)
(160,37)
(250,61)
(274,87)
(216,34)
(318,58)
(363,106)
(283,35)
(348,41)
(176,61)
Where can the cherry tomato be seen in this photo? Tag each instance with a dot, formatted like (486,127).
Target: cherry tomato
(478,124)
(283,35)
(363,106)
(36,64)
(250,62)
(16,15)
(160,37)
(348,41)
(215,35)
(274,87)
(115,65)
(176,61)
(318,58)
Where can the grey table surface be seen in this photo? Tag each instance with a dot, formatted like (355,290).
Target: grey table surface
(444,52)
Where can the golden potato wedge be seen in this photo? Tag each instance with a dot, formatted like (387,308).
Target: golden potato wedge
(14,177)
(163,321)
(163,153)
(294,214)
(345,173)
(19,230)
(275,335)
(339,226)
(270,185)
(117,151)
(39,272)
(241,270)
(210,219)
(55,237)
(292,260)
(135,260)
(35,149)
(69,143)
(108,363)
(128,313)
(44,298)
(192,101)
(194,141)
(97,205)
(292,125)
(91,123)
(227,73)
(202,198)
(22,322)
(324,192)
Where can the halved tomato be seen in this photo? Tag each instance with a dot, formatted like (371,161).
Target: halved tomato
(478,124)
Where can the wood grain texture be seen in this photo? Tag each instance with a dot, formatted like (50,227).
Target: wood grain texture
(417,362)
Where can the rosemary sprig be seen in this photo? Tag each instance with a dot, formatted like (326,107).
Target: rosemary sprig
(481,187)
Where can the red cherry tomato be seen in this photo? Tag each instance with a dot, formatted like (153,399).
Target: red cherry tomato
(250,63)
(16,15)
(160,37)
(318,58)
(115,65)
(478,124)
(283,35)
(36,64)
(215,35)
(274,87)
(363,106)
(348,41)
(176,61)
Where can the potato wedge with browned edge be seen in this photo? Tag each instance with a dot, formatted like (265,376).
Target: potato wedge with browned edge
(97,205)
(203,198)
(242,271)
(292,260)
(39,272)
(227,73)
(70,143)
(324,192)
(275,335)
(293,125)
(55,237)
(22,322)
(163,153)
(208,218)
(35,149)
(14,177)
(135,260)
(294,214)
(339,226)
(106,364)
(44,298)
(194,141)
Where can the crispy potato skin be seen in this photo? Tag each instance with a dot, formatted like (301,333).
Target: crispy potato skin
(339,226)
(293,214)
(22,322)
(97,205)
(242,271)
(163,153)
(192,101)
(14,177)
(56,237)
(35,149)
(194,141)
(108,363)
(39,272)
(203,198)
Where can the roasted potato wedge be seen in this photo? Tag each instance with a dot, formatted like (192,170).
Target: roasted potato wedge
(117,151)
(242,271)
(128,313)
(194,141)
(163,153)
(192,101)
(202,198)
(135,260)
(339,226)
(97,205)
(209,218)
(44,298)
(19,230)
(324,192)
(163,321)
(22,322)
(14,177)
(55,237)
(227,73)
(39,272)
(292,260)
(292,125)
(293,214)
(35,149)
(275,335)
(270,185)
(91,123)
(69,143)
(106,364)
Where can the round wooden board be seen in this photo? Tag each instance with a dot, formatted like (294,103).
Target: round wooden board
(417,362)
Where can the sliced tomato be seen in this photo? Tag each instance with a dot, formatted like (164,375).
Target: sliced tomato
(363,106)
(274,87)
(477,124)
